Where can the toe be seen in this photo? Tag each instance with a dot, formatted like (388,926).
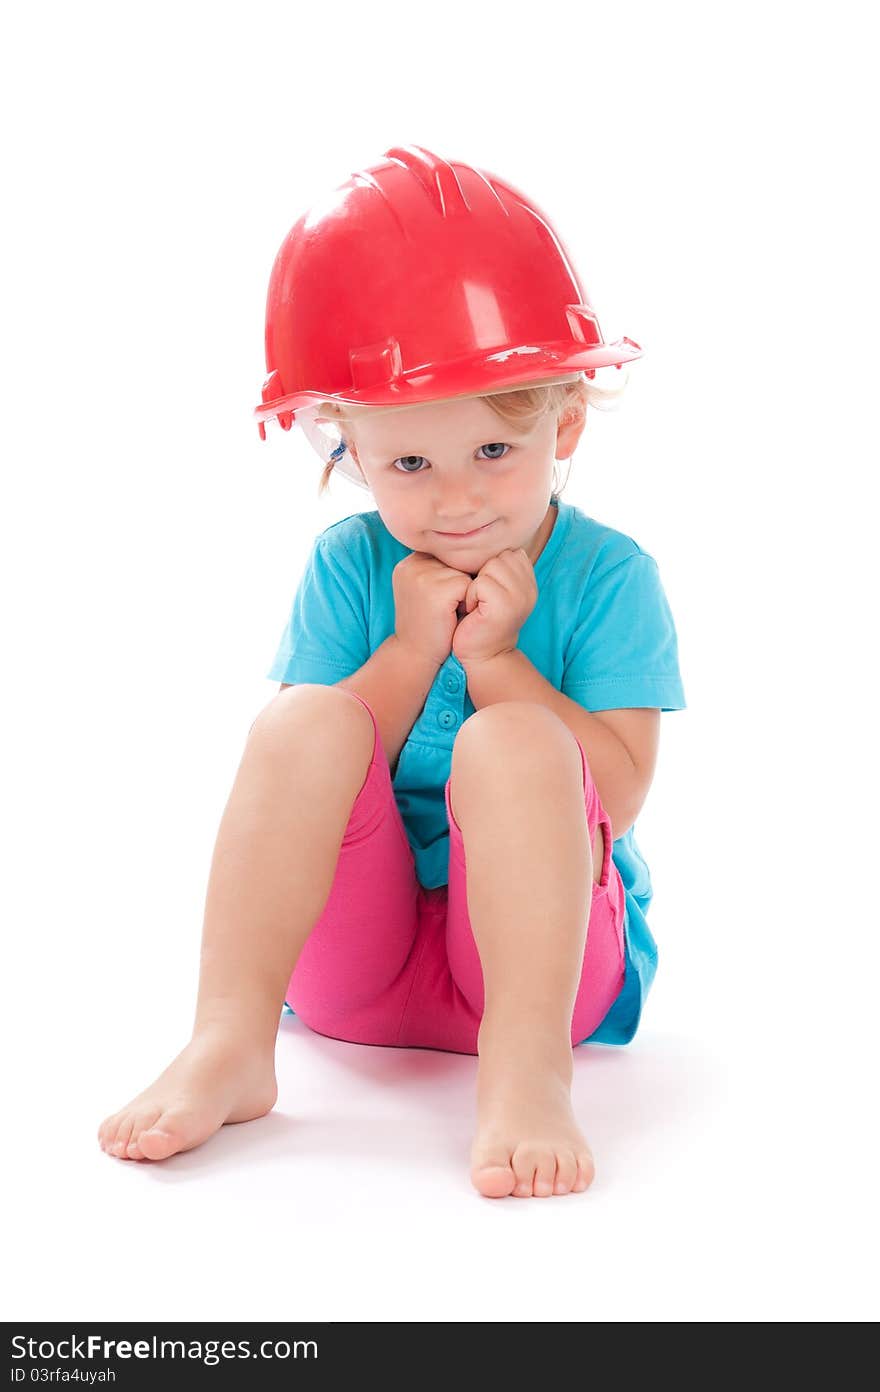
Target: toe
(171,1132)
(524,1165)
(120,1141)
(107,1129)
(545,1174)
(142,1123)
(494,1181)
(566,1172)
(158,1144)
(110,1128)
(491,1171)
(586,1171)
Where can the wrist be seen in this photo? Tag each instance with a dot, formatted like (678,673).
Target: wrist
(473,664)
(415,654)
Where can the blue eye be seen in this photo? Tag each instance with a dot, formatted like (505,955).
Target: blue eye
(414,458)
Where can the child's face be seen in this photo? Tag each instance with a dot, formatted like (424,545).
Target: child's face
(452,466)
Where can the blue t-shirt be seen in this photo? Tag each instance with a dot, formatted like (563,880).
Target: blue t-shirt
(601,632)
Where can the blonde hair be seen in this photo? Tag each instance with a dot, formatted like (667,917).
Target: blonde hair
(523,406)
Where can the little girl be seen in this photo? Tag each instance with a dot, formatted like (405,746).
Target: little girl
(429,839)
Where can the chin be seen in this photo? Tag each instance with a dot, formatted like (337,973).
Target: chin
(454,555)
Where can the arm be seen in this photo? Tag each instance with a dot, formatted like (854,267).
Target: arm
(395,683)
(622,777)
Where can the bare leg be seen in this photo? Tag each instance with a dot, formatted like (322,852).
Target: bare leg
(517,794)
(305,759)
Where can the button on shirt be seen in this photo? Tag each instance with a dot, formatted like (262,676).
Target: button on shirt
(601,632)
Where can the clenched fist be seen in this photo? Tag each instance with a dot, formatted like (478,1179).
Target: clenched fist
(427,595)
(497,603)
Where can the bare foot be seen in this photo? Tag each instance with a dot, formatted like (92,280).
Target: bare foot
(217,1078)
(528,1143)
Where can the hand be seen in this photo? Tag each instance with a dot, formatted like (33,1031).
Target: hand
(496,605)
(427,594)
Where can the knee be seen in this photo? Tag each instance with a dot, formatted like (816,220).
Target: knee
(514,745)
(514,730)
(327,712)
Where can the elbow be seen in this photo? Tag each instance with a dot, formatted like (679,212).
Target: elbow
(627,811)
(620,820)
(625,806)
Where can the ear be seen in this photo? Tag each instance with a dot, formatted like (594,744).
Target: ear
(571,427)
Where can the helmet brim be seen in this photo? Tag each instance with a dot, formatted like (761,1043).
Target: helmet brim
(478,375)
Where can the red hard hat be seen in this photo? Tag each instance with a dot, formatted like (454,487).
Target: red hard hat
(418,280)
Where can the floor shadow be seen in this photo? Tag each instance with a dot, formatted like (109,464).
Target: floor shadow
(400,1106)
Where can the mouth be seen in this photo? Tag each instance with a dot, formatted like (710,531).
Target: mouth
(461,536)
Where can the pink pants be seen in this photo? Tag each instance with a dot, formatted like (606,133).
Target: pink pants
(390,962)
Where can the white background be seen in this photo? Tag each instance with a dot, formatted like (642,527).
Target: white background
(712,172)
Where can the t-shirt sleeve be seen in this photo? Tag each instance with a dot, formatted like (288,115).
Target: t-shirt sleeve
(326,637)
(623,652)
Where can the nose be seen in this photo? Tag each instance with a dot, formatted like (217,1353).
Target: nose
(461,515)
